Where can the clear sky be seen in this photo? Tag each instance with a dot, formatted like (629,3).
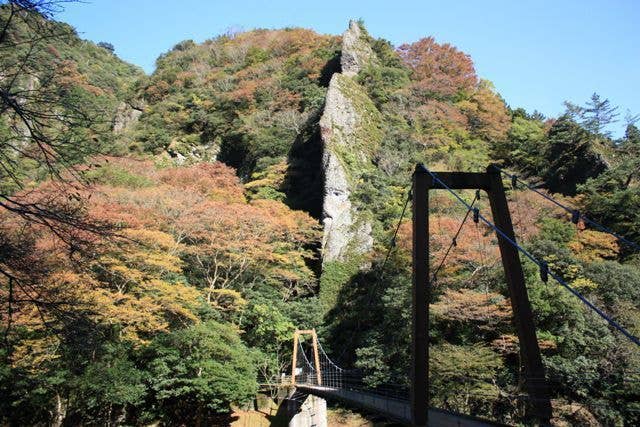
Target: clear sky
(537,53)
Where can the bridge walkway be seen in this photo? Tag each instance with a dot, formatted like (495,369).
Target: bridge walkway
(395,409)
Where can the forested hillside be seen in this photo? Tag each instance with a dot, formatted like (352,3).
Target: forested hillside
(163,235)
(62,94)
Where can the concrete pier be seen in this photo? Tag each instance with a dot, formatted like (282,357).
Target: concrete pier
(305,410)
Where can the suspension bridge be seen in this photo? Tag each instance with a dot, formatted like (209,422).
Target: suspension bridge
(315,373)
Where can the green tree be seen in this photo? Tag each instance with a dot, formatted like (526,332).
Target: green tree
(107,46)
(200,371)
(461,377)
(632,133)
(611,197)
(616,283)
(524,145)
(110,387)
(595,115)
(572,156)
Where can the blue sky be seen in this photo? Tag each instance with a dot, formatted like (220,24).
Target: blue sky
(537,53)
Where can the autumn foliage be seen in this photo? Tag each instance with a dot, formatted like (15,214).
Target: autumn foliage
(439,70)
(160,288)
(181,242)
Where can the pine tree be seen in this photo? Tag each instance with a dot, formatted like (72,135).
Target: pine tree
(571,156)
(595,115)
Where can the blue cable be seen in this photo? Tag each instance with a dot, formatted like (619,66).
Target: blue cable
(395,234)
(588,303)
(574,212)
(454,240)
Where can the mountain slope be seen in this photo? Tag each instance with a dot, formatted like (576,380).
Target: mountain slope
(60,95)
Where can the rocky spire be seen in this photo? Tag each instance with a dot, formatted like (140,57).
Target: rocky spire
(356,51)
(347,111)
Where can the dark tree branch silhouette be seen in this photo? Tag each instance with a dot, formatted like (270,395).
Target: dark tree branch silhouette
(47,127)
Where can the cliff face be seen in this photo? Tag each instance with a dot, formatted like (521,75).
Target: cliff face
(346,110)
(126,116)
(348,128)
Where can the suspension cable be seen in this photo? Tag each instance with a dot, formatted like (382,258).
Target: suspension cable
(576,215)
(541,265)
(454,240)
(327,357)
(392,244)
(305,356)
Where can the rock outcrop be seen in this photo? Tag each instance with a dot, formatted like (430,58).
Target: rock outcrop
(345,130)
(356,51)
(127,114)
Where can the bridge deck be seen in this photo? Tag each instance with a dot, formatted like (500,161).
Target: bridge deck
(393,408)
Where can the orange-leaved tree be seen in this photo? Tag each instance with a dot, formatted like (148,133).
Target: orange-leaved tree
(439,70)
